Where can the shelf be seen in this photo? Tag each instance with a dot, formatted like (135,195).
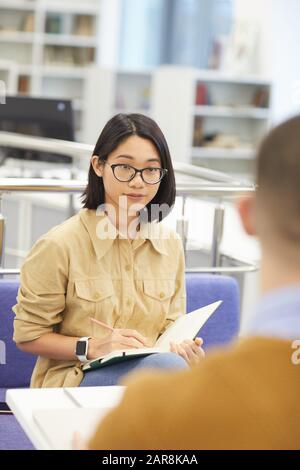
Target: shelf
(84,8)
(218,76)
(147,72)
(220,153)
(246,112)
(27,70)
(17,36)
(69,40)
(63,72)
(6,64)
(146,112)
(18,5)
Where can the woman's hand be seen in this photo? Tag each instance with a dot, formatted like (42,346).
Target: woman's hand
(116,339)
(189,350)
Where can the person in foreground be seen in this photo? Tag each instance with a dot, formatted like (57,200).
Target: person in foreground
(245,396)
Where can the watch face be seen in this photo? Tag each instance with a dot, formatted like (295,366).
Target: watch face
(80,348)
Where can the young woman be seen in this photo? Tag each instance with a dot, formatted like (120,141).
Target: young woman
(113,262)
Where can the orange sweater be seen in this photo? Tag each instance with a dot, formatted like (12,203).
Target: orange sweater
(243,397)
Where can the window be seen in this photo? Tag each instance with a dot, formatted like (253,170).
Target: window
(172,31)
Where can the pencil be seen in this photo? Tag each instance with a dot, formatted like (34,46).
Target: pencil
(110,328)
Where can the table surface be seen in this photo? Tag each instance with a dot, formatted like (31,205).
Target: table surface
(41,411)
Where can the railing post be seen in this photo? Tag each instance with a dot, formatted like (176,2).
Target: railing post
(2,233)
(182,225)
(71,207)
(217,235)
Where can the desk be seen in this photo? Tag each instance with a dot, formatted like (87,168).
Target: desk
(50,416)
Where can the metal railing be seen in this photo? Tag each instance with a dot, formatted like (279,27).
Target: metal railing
(79,151)
(221,186)
(8,185)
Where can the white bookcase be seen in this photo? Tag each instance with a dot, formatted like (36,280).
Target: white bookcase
(112,91)
(54,42)
(8,78)
(210,118)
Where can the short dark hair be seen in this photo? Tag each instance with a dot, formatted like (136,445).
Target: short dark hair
(278,179)
(117,130)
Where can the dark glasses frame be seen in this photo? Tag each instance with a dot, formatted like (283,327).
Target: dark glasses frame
(163,172)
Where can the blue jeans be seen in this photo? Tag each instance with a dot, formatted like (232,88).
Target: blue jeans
(111,375)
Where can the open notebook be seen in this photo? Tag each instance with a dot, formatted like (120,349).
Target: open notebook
(185,327)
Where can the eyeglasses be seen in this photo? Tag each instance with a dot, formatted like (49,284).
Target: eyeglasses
(125,173)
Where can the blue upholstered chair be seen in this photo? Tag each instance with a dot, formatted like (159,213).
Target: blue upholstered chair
(16,367)
(203,289)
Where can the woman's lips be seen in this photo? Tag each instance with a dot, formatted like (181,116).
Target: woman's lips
(135,196)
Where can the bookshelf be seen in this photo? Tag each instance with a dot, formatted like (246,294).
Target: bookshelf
(53,43)
(212,119)
(112,91)
(8,78)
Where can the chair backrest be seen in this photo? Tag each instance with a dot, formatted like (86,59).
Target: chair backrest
(15,366)
(203,289)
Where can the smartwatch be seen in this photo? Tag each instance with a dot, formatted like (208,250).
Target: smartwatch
(82,348)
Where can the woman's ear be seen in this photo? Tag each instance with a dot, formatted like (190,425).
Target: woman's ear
(98,167)
(247,212)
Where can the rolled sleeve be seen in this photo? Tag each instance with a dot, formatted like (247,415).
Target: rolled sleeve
(41,296)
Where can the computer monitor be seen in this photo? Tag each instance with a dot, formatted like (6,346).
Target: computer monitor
(39,117)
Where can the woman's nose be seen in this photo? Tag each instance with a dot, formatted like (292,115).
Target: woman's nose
(137,180)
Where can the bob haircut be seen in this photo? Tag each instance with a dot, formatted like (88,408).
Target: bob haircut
(117,130)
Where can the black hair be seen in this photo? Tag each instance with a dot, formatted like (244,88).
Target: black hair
(117,130)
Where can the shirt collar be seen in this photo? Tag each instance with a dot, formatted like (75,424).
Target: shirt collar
(277,314)
(103,233)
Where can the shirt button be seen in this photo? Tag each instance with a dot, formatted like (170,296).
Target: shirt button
(96,296)
(128,303)
(161,295)
(127,267)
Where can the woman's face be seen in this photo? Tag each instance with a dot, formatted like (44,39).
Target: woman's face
(139,153)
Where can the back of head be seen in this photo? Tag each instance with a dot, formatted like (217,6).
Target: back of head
(278,178)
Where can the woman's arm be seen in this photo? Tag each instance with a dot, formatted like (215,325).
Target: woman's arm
(62,348)
(52,346)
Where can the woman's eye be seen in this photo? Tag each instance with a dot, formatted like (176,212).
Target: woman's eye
(126,167)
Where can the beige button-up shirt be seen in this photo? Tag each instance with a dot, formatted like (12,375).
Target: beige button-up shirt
(84,268)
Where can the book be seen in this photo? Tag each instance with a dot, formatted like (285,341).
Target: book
(201,94)
(54,23)
(83,25)
(185,327)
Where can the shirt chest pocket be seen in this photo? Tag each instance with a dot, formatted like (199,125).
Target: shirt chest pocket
(96,297)
(158,293)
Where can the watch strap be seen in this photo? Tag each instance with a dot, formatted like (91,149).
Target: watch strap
(83,357)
